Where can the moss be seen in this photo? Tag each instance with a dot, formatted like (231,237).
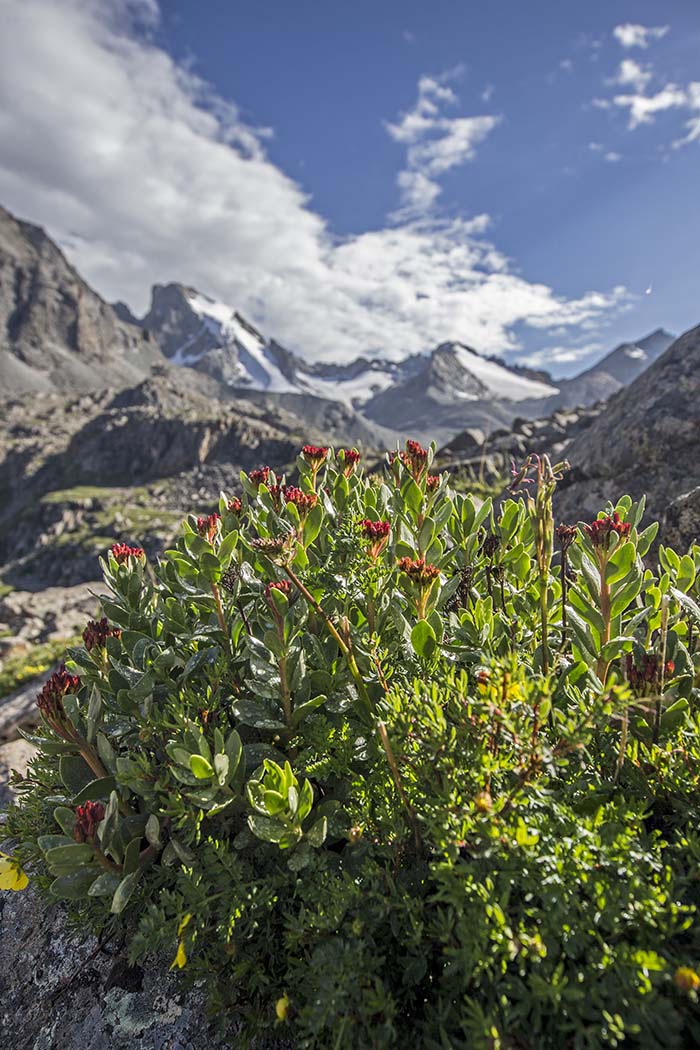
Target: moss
(21,667)
(84,492)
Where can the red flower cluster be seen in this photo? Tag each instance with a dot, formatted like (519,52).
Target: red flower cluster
(303,501)
(50,699)
(314,455)
(277,585)
(208,527)
(432,482)
(350,457)
(377,532)
(87,818)
(566,534)
(121,552)
(600,530)
(415,458)
(97,632)
(419,571)
(645,677)
(234,505)
(261,476)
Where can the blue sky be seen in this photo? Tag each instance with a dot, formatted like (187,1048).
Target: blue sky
(371,176)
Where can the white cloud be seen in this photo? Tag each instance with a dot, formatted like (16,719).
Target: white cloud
(632,74)
(612,157)
(633,35)
(643,108)
(487,93)
(567,65)
(435,143)
(144,175)
(550,356)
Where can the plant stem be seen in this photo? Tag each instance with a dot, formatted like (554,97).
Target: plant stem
(603,664)
(220,613)
(343,645)
(384,737)
(664,636)
(543,621)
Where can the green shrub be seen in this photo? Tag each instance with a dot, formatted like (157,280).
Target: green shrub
(389,768)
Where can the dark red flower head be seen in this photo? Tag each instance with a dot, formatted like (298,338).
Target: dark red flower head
(600,530)
(97,632)
(415,458)
(419,571)
(303,501)
(209,527)
(566,534)
(87,818)
(315,455)
(261,476)
(350,458)
(50,698)
(377,532)
(234,505)
(121,552)
(432,482)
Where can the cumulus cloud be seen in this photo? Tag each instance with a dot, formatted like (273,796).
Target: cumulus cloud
(435,142)
(144,175)
(632,35)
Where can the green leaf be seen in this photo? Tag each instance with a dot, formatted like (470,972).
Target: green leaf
(77,854)
(47,842)
(316,835)
(96,789)
(104,885)
(152,830)
(266,828)
(75,773)
(94,710)
(200,767)
(106,752)
(65,818)
(124,891)
(75,886)
(260,714)
(302,710)
(423,640)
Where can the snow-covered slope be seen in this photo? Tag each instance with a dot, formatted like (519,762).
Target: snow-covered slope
(498,378)
(211,336)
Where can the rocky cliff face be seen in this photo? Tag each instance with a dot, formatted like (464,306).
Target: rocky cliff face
(56,333)
(644,440)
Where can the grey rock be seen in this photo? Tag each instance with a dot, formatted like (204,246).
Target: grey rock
(58,990)
(681,526)
(18,709)
(15,755)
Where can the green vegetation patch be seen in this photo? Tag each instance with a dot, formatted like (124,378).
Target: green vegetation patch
(380,765)
(21,667)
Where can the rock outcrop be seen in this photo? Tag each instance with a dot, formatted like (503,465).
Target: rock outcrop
(56,333)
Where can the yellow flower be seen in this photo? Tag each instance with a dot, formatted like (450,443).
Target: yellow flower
(11,875)
(181,955)
(281,1007)
(686,979)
